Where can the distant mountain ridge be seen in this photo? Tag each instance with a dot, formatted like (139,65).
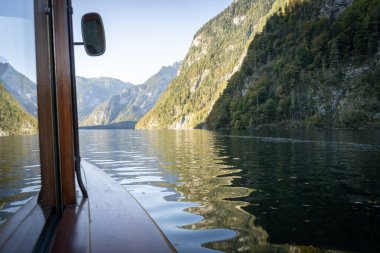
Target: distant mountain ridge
(128,101)
(17,84)
(134,101)
(90,91)
(93,91)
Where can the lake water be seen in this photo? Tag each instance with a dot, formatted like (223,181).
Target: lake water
(266,191)
(19,172)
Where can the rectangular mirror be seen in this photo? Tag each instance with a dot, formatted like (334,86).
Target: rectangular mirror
(93,34)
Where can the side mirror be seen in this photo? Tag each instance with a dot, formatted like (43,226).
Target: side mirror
(93,34)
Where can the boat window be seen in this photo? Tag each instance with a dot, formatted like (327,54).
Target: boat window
(19,144)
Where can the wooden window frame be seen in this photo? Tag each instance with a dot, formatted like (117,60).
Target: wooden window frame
(56,116)
(33,227)
(56,222)
(55,105)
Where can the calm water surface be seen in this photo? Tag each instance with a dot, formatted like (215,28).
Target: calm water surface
(19,172)
(290,191)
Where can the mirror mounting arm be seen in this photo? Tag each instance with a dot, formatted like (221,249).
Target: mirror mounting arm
(78,43)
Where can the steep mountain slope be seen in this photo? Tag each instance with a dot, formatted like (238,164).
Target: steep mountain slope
(315,64)
(14,120)
(216,53)
(20,87)
(134,102)
(93,91)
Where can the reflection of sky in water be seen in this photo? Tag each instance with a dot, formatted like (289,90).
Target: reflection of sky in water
(150,169)
(284,187)
(232,192)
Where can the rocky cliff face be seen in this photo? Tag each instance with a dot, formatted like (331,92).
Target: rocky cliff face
(316,64)
(133,102)
(216,53)
(278,63)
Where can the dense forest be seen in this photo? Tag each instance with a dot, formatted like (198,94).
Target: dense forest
(309,67)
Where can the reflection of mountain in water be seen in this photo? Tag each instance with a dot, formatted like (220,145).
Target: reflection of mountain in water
(204,163)
(205,178)
(195,185)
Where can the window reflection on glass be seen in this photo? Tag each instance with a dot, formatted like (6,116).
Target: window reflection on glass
(19,149)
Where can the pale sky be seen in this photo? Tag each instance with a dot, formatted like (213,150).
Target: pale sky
(142,35)
(17,36)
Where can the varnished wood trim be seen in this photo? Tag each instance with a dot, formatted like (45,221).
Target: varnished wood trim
(73,234)
(111,220)
(64,100)
(118,222)
(22,231)
(45,105)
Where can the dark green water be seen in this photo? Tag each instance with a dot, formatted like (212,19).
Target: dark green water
(312,188)
(267,191)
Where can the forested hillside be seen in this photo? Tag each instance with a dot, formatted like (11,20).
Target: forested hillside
(216,53)
(14,120)
(316,63)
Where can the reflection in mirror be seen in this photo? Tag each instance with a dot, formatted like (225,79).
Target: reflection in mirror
(93,34)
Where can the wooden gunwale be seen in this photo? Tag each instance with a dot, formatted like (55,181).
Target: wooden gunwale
(110,220)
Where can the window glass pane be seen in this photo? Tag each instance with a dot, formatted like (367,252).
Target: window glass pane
(19,149)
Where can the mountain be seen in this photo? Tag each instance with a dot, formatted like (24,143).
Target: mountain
(126,101)
(93,91)
(14,120)
(90,91)
(216,53)
(316,64)
(23,90)
(134,102)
